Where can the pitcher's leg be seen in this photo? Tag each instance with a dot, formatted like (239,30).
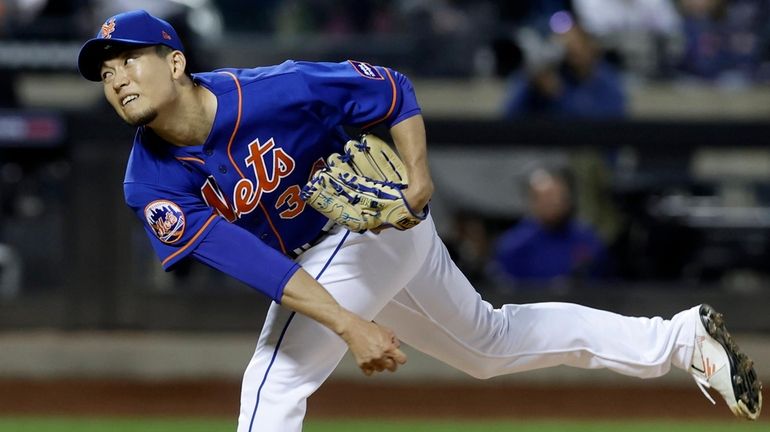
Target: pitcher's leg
(526,337)
(295,354)
(441,314)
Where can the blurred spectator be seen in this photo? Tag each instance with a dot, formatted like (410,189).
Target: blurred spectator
(723,38)
(644,35)
(468,243)
(449,36)
(513,17)
(535,15)
(602,17)
(578,83)
(550,244)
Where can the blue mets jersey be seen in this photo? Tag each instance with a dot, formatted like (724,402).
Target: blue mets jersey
(234,201)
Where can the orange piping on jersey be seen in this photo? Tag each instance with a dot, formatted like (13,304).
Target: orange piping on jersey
(232,161)
(192,159)
(237,122)
(392,103)
(192,240)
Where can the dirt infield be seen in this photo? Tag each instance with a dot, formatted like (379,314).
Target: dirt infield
(358,399)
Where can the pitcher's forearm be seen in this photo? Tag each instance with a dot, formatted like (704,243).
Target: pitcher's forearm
(410,140)
(306,296)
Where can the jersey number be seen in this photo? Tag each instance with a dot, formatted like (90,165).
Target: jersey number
(290,197)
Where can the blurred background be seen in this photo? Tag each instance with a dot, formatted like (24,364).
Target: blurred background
(610,153)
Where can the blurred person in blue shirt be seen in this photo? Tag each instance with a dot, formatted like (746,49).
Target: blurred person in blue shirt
(550,244)
(723,39)
(580,83)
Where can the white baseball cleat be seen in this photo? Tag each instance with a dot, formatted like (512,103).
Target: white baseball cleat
(718,363)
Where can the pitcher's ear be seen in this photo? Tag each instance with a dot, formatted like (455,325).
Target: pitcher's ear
(178,63)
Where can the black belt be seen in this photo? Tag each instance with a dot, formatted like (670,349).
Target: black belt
(321,235)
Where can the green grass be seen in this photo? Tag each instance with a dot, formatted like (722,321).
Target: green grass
(535,426)
(158,425)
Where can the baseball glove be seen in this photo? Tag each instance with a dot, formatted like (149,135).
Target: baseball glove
(362,188)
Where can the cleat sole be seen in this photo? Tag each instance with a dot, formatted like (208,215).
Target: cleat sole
(746,385)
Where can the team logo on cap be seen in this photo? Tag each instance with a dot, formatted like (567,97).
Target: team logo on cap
(108,28)
(166,220)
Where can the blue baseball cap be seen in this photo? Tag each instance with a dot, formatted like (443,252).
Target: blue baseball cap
(136,28)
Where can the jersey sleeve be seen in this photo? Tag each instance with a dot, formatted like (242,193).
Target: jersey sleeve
(180,225)
(175,221)
(355,93)
(252,262)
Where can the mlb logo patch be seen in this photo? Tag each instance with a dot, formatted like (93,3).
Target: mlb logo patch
(366,70)
(166,220)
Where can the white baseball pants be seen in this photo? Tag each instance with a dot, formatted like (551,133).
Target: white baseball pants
(406,280)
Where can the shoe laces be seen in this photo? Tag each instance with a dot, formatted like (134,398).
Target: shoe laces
(703,384)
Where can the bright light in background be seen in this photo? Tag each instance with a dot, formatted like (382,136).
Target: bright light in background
(561,22)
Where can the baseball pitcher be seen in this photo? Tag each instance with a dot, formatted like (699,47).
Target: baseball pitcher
(250,172)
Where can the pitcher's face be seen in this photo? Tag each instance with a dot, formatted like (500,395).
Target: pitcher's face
(137,83)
